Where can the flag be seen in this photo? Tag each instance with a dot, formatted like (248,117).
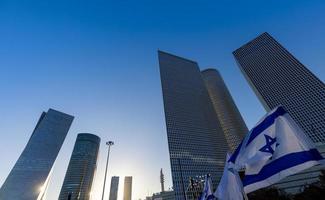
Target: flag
(274,149)
(207,189)
(230,186)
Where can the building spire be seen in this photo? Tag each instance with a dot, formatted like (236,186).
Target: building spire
(162,181)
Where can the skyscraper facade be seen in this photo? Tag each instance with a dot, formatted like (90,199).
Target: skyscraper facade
(127,195)
(231,121)
(278,78)
(81,169)
(114,188)
(28,178)
(197,145)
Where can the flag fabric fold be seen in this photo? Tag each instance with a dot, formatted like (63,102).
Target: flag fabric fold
(230,186)
(274,149)
(207,189)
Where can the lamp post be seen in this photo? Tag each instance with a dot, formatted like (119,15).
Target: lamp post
(109,144)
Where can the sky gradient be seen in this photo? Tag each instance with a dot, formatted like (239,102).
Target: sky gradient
(97,60)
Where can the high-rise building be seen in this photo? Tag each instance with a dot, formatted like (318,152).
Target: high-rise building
(29,177)
(278,78)
(197,145)
(228,114)
(162,181)
(81,169)
(114,188)
(127,195)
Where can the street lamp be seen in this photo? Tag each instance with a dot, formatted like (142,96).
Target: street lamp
(109,144)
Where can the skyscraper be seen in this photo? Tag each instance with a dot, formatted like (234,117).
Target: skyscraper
(127,195)
(278,78)
(82,166)
(114,188)
(228,114)
(28,178)
(197,145)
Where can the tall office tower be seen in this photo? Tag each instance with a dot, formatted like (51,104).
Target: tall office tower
(277,77)
(127,188)
(81,169)
(114,188)
(228,114)
(29,177)
(162,181)
(197,145)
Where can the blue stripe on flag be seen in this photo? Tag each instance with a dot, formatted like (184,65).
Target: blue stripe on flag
(266,123)
(235,154)
(283,163)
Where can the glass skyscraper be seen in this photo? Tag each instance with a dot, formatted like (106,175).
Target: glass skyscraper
(278,78)
(114,188)
(82,167)
(127,195)
(228,114)
(28,178)
(197,145)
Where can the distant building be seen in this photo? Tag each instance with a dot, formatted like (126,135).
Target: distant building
(114,188)
(127,188)
(228,114)
(197,144)
(278,78)
(28,179)
(166,195)
(82,166)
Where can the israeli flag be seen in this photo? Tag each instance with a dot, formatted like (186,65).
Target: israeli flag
(230,186)
(274,149)
(207,190)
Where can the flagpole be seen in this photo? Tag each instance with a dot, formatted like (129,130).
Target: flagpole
(245,196)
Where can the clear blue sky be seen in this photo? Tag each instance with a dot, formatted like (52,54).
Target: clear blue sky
(97,60)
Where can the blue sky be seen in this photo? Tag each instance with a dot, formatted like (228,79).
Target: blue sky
(97,60)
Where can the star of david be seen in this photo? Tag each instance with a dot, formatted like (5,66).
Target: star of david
(267,148)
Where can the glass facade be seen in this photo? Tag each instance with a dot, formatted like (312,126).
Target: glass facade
(278,78)
(197,145)
(82,167)
(228,114)
(114,188)
(27,179)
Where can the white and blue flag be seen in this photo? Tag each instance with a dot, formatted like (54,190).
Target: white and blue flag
(230,186)
(207,189)
(274,149)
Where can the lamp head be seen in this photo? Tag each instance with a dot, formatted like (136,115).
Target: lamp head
(110,143)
